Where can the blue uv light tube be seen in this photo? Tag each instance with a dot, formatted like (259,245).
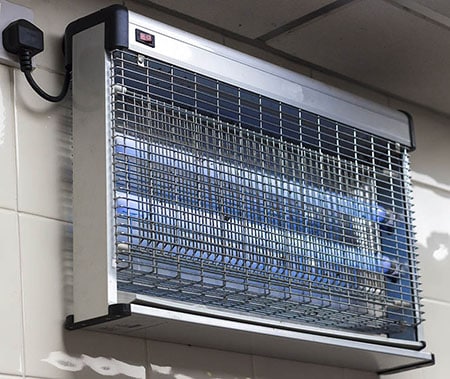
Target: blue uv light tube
(313,248)
(303,256)
(255,182)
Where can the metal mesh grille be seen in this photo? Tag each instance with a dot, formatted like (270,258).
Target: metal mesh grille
(226,198)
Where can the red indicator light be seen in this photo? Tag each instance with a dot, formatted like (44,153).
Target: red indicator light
(145,38)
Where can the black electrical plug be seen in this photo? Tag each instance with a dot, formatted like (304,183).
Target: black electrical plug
(25,40)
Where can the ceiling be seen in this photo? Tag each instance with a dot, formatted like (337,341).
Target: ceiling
(397,47)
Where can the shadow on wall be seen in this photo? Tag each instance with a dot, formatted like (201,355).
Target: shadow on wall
(101,365)
(437,246)
(163,372)
(113,367)
(432,135)
(65,153)
(65,174)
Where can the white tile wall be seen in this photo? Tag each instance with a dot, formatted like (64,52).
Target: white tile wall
(43,270)
(35,235)
(268,368)
(437,335)
(433,235)
(106,354)
(411,374)
(44,149)
(7,140)
(433,153)
(168,360)
(11,333)
(356,374)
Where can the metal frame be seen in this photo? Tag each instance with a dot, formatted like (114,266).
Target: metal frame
(94,274)
(95,260)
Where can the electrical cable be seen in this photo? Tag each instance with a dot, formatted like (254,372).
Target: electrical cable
(26,67)
(44,94)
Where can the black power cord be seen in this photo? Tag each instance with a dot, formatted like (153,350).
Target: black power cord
(26,40)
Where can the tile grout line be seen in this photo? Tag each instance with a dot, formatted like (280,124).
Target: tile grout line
(10,376)
(253,367)
(436,301)
(16,133)
(422,11)
(23,359)
(25,213)
(303,20)
(428,181)
(148,366)
(19,242)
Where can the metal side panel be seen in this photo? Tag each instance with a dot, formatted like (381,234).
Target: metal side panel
(218,333)
(247,318)
(209,58)
(94,283)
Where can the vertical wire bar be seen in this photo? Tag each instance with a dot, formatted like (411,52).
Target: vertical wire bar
(413,264)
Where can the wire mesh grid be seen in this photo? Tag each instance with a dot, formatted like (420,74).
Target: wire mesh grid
(226,198)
